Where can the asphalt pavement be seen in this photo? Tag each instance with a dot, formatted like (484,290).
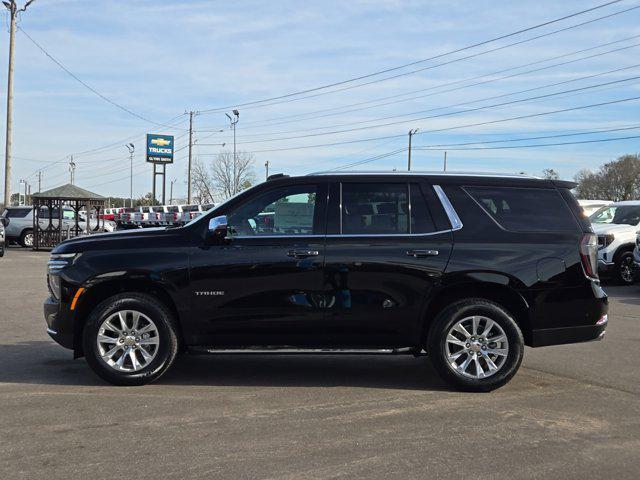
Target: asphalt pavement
(571,411)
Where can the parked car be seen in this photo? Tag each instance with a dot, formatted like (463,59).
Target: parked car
(19,223)
(590,206)
(189,212)
(126,217)
(465,268)
(109,214)
(617,226)
(2,238)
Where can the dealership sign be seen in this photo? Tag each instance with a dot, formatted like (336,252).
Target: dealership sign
(159,148)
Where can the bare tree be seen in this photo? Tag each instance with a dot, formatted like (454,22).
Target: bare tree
(222,173)
(616,181)
(215,182)
(202,183)
(550,174)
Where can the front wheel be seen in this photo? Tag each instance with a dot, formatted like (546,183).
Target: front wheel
(626,269)
(130,339)
(476,345)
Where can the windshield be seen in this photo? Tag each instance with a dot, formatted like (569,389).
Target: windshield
(619,215)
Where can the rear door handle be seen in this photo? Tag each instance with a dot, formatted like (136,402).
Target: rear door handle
(302,253)
(422,253)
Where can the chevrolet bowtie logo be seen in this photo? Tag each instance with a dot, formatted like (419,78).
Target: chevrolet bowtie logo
(161,142)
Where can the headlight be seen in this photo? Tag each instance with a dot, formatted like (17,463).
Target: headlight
(605,240)
(57,262)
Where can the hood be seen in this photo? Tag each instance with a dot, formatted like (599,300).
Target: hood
(122,239)
(604,228)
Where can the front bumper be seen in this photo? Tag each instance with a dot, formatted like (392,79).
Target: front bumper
(605,268)
(59,324)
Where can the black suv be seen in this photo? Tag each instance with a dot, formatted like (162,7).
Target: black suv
(467,269)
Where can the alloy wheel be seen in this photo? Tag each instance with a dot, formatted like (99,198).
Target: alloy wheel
(128,341)
(627,269)
(28,239)
(476,347)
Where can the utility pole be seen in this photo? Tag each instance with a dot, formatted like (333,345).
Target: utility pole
(445,161)
(412,132)
(20,197)
(131,149)
(190,150)
(171,193)
(234,121)
(13,9)
(266,166)
(39,181)
(72,171)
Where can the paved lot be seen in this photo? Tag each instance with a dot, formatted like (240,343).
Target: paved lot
(571,412)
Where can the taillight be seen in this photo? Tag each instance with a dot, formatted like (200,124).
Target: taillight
(589,254)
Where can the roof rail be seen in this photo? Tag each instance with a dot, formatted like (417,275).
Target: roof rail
(275,176)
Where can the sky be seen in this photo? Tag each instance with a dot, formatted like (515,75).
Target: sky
(160,59)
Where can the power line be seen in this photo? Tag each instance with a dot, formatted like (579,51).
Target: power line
(86,85)
(345,108)
(413,120)
(503,147)
(472,102)
(399,67)
(575,134)
(520,117)
(373,159)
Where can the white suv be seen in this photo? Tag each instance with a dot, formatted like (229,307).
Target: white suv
(617,226)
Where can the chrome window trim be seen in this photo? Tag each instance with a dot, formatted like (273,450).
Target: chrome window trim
(454,219)
(231,237)
(427,173)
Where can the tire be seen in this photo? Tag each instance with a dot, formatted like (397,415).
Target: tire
(440,349)
(26,238)
(160,340)
(625,269)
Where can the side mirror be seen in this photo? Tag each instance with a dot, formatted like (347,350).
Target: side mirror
(218,227)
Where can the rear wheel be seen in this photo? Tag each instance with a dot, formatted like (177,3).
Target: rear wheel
(130,339)
(626,269)
(26,238)
(476,345)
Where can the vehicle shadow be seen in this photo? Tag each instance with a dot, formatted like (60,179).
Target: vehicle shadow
(44,363)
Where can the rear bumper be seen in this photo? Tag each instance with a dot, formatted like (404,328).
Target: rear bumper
(561,336)
(59,326)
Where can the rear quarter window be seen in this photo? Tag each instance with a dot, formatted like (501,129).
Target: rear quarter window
(17,212)
(525,209)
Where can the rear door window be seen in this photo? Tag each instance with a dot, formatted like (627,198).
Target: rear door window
(375,208)
(384,209)
(525,209)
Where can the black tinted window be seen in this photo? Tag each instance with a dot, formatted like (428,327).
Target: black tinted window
(374,208)
(17,212)
(525,209)
(421,220)
(280,211)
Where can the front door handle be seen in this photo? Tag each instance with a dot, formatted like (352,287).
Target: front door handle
(302,253)
(422,253)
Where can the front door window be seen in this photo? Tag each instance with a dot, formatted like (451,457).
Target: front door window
(285,211)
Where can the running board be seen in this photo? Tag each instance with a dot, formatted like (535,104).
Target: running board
(302,351)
